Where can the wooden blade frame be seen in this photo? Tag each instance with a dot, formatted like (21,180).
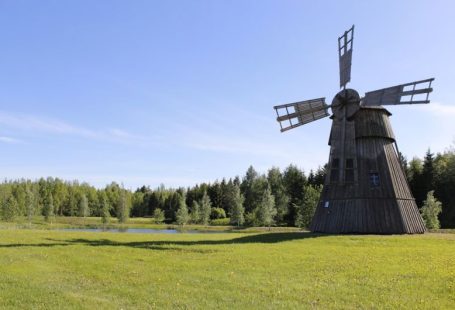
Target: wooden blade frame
(299,113)
(410,93)
(345,56)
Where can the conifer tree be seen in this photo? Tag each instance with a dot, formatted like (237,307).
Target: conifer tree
(311,177)
(248,190)
(195,212)
(182,217)
(404,164)
(319,177)
(172,204)
(294,179)
(206,209)
(428,172)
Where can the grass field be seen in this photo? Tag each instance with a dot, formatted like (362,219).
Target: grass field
(43,269)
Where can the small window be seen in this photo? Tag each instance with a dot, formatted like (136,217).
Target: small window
(326,204)
(335,163)
(374,179)
(349,171)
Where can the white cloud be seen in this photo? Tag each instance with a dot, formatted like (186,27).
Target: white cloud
(9,140)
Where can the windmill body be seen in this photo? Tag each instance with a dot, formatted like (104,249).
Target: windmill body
(365,190)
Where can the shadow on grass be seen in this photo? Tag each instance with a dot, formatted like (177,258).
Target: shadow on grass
(20,245)
(171,244)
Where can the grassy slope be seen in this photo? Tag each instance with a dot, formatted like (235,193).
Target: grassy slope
(52,269)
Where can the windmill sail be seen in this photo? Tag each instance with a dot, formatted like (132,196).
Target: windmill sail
(299,113)
(410,93)
(345,55)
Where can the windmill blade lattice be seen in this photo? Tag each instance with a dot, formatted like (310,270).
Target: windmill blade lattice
(296,114)
(345,56)
(409,93)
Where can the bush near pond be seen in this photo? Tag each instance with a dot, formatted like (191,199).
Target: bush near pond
(220,222)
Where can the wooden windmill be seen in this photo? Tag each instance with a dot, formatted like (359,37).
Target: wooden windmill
(365,190)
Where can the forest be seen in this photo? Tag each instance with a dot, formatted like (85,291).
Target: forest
(274,198)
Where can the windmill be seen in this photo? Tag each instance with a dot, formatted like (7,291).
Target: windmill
(365,189)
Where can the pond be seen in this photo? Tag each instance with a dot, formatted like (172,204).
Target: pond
(145,230)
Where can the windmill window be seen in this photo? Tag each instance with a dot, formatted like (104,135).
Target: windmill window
(349,171)
(334,171)
(374,179)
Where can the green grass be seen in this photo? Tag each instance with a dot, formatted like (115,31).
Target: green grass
(44,269)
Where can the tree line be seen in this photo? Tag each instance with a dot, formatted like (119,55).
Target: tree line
(284,198)
(280,198)
(434,174)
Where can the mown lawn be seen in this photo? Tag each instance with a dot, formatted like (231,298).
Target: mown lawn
(56,269)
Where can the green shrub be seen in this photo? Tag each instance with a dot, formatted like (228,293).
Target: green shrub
(220,222)
(250,219)
(430,211)
(217,213)
(158,216)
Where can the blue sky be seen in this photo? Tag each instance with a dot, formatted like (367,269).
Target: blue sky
(181,92)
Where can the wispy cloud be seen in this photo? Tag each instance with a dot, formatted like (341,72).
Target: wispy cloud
(234,146)
(29,122)
(253,146)
(55,126)
(9,140)
(122,135)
